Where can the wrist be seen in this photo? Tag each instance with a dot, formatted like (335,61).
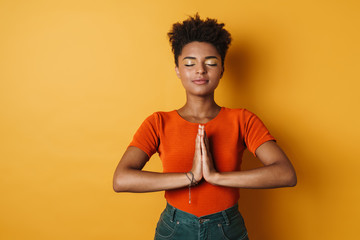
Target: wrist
(214,178)
(191,178)
(197,176)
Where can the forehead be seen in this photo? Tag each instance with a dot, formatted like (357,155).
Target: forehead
(199,49)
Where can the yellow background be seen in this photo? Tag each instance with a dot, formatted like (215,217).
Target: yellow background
(79,77)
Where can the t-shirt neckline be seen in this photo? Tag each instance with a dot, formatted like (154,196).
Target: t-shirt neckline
(212,120)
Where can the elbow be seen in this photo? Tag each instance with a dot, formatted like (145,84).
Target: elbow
(116,187)
(291,179)
(292,182)
(287,176)
(119,184)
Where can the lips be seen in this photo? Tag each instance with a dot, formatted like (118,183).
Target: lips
(200,81)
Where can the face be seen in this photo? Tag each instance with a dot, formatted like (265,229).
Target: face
(200,68)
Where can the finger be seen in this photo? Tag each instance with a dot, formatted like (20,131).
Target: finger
(203,148)
(206,139)
(199,135)
(198,144)
(198,141)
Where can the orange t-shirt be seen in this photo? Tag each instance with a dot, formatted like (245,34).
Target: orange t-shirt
(229,133)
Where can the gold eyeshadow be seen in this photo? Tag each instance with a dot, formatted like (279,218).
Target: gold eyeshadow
(211,62)
(189,62)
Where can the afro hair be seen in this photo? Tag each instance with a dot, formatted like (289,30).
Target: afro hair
(196,29)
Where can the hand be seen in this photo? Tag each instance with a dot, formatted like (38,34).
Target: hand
(197,165)
(208,168)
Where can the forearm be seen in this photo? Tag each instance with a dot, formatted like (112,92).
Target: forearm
(270,176)
(133,180)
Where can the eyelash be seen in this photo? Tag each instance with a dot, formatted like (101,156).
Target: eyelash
(212,65)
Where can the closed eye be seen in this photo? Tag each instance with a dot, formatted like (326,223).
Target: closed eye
(189,62)
(211,62)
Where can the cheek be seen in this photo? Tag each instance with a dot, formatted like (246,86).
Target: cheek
(216,73)
(184,74)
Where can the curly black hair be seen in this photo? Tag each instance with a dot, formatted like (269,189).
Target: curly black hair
(196,29)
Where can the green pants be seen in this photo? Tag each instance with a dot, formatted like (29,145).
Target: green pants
(176,224)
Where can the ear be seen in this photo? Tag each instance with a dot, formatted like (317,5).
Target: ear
(177,71)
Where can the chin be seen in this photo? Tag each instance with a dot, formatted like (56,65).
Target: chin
(202,94)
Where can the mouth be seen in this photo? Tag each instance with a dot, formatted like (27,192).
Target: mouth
(200,81)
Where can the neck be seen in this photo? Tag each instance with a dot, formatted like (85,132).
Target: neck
(200,107)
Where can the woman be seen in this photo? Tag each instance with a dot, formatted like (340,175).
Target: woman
(201,146)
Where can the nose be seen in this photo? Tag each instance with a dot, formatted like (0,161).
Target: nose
(201,69)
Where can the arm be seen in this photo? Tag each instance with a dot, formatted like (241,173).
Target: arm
(276,172)
(129,176)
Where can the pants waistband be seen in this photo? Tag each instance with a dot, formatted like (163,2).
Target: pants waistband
(224,216)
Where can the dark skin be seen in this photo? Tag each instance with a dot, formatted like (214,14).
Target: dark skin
(200,70)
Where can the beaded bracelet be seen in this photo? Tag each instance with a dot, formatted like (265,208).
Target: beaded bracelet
(192,183)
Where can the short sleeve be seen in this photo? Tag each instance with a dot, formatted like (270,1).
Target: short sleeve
(255,132)
(147,136)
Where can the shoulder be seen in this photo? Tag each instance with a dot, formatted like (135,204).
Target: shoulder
(160,116)
(164,114)
(243,116)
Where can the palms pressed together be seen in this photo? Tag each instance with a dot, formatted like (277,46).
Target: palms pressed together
(203,164)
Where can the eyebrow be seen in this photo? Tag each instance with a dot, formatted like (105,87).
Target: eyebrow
(208,57)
